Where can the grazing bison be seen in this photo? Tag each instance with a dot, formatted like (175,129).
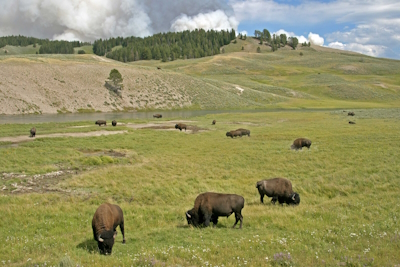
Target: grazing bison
(244,131)
(105,221)
(352,122)
(157,116)
(351,113)
(180,126)
(209,206)
(114,123)
(214,122)
(159,68)
(300,142)
(100,122)
(279,189)
(32,131)
(234,134)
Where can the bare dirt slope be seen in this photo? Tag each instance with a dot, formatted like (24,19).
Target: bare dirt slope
(54,84)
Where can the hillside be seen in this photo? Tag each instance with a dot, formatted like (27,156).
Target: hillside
(237,79)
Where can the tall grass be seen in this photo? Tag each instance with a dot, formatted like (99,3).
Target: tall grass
(348,183)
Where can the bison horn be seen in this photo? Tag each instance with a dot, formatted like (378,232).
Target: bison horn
(187,214)
(294,196)
(100,239)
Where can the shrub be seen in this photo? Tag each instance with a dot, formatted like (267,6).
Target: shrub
(81,52)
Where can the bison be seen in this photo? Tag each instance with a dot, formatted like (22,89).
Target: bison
(105,221)
(234,134)
(214,122)
(157,116)
(279,189)
(114,123)
(351,113)
(352,122)
(180,126)
(209,206)
(32,131)
(100,122)
(244,131)
(300,142)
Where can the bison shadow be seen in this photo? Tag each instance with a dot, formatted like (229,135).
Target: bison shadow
(89,245)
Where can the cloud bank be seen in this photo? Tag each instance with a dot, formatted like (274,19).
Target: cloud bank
(87,20)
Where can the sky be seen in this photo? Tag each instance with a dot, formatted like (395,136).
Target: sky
(370,27)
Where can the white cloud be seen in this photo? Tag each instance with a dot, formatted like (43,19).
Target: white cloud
(244,33)
(216,20)
(315,39)
(370,50)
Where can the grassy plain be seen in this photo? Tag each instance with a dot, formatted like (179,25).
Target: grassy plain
(348,183)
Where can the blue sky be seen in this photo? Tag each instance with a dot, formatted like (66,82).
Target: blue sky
(371,27)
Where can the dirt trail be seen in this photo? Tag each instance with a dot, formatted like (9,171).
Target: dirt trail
(24,138)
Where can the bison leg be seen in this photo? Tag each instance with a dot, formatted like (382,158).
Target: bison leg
(238,217)
(262,198)
(121,226)
(273,200)
(207,219)
(281,200)
(214,219)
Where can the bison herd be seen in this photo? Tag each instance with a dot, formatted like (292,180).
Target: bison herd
(208,206)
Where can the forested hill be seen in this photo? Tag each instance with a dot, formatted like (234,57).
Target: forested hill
(165,46)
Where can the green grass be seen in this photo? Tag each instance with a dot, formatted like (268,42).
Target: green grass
(20,50)
(87,48)
(348,183)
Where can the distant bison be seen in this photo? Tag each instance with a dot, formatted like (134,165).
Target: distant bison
(157,116)
(180,126)
(104,224)
(351,114)
(352,122)
(214,122)
(244,131)
(159,68)
(32,131)
(279,189)
(234,134)
(100,122)
(114,123)
(300,142)
(209,206)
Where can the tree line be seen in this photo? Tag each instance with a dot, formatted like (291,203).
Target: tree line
(165,46)
(275,41)
(46,46)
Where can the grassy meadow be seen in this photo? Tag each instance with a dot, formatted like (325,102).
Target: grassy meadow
(348,183)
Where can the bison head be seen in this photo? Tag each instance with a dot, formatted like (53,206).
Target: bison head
(105,242)
(228,134)
(176,126)
(294,199)
(192,218)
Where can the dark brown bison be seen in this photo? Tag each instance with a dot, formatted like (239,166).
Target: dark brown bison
(244,131)
(352,122)
(234,134)
(159,68)
(100,122)
(214,122)
(209,206)
(351,113)
(279,189)
(300,142)
(157,116)
(180,126)
(114,123)
(105,221)
(32,131)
